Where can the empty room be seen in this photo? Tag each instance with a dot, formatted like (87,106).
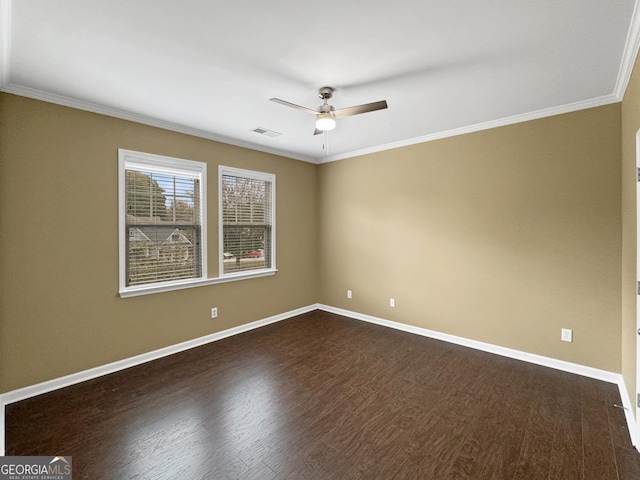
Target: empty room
(291,240)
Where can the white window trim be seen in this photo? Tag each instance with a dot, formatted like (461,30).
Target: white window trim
(167,164)
(192,283)
(268,177)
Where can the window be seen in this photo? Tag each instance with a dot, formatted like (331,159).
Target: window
(247,221)
(162,210)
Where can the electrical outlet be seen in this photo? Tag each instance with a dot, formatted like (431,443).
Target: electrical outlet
(214,312)
(566,335)
(392,302)
(349,294)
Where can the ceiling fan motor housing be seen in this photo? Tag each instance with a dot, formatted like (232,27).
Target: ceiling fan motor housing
(325,93)
(325,108)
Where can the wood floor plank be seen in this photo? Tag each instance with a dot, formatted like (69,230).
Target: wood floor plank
(566,454)
(535,453)
(597,441)
(491,405)
(322,396)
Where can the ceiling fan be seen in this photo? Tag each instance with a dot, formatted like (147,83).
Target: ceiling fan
(326,115)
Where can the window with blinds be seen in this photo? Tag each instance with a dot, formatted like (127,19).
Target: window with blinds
(162,212)
(247,214)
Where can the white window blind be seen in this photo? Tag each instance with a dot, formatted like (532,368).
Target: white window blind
(162,219)
(247,217)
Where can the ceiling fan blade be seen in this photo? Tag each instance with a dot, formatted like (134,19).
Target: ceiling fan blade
(318,132)
(293,105)
(367,107)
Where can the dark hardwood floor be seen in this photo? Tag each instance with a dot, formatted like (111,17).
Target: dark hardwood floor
(326,397)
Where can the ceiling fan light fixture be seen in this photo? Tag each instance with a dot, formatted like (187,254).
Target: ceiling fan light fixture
(325,121)
(326,115)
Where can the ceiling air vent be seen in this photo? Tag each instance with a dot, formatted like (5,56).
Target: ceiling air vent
(267,132)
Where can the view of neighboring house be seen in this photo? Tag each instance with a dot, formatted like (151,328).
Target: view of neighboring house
(158,248)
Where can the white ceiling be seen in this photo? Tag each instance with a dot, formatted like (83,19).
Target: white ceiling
(209,68)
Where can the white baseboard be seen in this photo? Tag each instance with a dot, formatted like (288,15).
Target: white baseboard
(68,380)
(74,378)
(578,369)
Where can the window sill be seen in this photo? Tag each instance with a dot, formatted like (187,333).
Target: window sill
(171,286)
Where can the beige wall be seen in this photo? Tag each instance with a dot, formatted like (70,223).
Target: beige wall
(60,312)
(630,125)
(503,236)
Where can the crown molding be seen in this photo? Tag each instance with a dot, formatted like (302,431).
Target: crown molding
(501,122)
(154,122)
(143,119)
(629,55)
